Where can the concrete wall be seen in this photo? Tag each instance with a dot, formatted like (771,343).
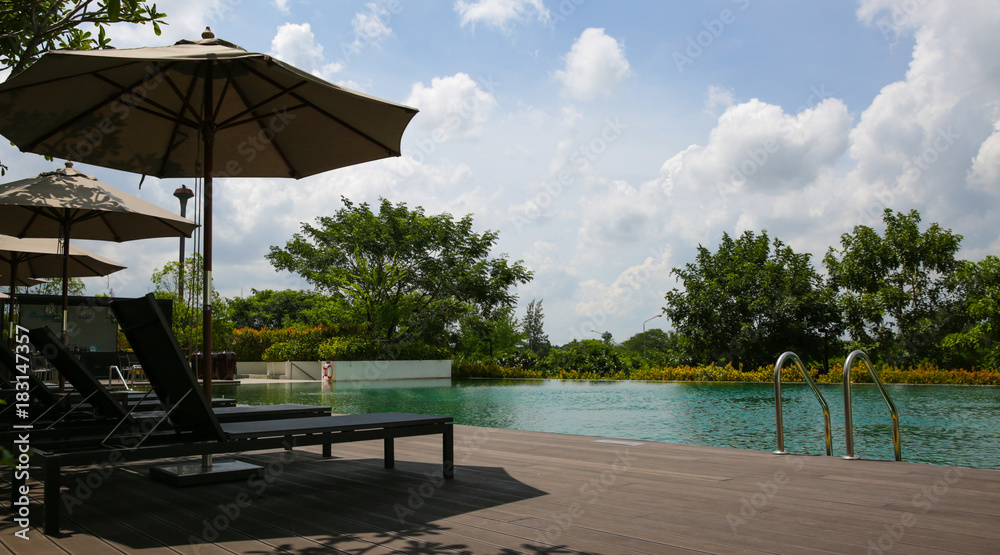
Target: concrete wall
(349,370)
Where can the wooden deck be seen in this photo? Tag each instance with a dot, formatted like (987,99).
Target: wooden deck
(527,492)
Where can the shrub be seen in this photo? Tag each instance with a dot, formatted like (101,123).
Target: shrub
(350,347)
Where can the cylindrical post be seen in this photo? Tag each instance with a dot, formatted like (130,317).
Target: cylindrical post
(206,336)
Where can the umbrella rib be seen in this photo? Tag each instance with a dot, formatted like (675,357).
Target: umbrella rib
(357,131)
(186,99)
(85,113)
(278,149)
(251,109)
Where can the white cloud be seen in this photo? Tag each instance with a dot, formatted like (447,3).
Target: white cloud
(296,45)
(499,13)
(594,66)
(453,107)
(370,26)
(283,6)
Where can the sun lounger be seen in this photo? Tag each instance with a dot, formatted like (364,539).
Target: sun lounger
(108,405)
(198,431)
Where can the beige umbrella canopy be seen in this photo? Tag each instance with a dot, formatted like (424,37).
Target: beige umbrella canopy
(202,108)
(20,258)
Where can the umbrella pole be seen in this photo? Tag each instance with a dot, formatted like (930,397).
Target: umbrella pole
(206,328)
(65,294)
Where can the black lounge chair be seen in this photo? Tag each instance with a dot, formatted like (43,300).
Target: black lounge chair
(107,405)
(197,430)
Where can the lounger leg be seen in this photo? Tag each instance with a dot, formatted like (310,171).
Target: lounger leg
(327,451)
(448,442)
(51,497)
(390,453)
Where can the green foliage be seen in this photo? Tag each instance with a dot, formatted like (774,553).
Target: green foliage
(348,347)
(53,286)
(407,276)
(187,311)
(296,343)
(591,356)
(249,344)
(902,280)
(279,309)
(29,28)
(746,303)
(536,339)
(979,286)
(479,337)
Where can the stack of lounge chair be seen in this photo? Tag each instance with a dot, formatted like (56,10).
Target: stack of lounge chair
(184,423)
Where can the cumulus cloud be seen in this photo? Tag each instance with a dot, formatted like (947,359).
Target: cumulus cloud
(499,13)
(930,140)
(296,45)
(594,66)
(719,97)
(453,107)
(758,147)
(283,6)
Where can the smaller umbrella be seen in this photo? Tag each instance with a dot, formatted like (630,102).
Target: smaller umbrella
(20,258)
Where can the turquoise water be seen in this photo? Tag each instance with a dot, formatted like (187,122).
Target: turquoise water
(938,424)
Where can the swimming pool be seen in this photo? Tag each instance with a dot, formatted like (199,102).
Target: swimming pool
(951,425)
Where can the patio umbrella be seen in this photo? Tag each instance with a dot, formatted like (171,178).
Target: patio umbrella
(67,203)
(20,258)
(202,108)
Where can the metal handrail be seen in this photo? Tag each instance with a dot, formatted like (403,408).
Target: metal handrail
(848,422)
(777,402)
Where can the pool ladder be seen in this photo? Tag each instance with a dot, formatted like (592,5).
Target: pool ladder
(848,422)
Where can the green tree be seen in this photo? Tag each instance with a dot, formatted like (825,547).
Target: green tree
(53,286)
(479,338)
(407,276)
(187,314)
(896,291)
(750,301)
(533,324)
(29,28)
(978,342)
(281,309)
(657,346)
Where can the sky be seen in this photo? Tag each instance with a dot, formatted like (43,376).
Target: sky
(606,141)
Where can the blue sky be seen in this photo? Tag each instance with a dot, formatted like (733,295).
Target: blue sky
(606,141)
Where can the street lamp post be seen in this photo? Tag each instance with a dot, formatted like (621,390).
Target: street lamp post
(644,333)
(183,194)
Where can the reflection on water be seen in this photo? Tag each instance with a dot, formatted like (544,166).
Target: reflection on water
(938,424)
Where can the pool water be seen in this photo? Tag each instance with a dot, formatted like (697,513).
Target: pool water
(951,425)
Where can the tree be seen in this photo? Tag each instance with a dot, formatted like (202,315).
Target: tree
(29,28)
(901,280)
(279,309)
(53,286)
(657,346)
(405,275)
(750,301)
(187,319)
(979,339)
(536,339)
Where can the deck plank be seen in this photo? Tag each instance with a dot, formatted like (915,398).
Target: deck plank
(532,492)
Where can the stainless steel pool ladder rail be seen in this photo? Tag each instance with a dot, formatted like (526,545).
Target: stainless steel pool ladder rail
(777,402)
(848,422)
